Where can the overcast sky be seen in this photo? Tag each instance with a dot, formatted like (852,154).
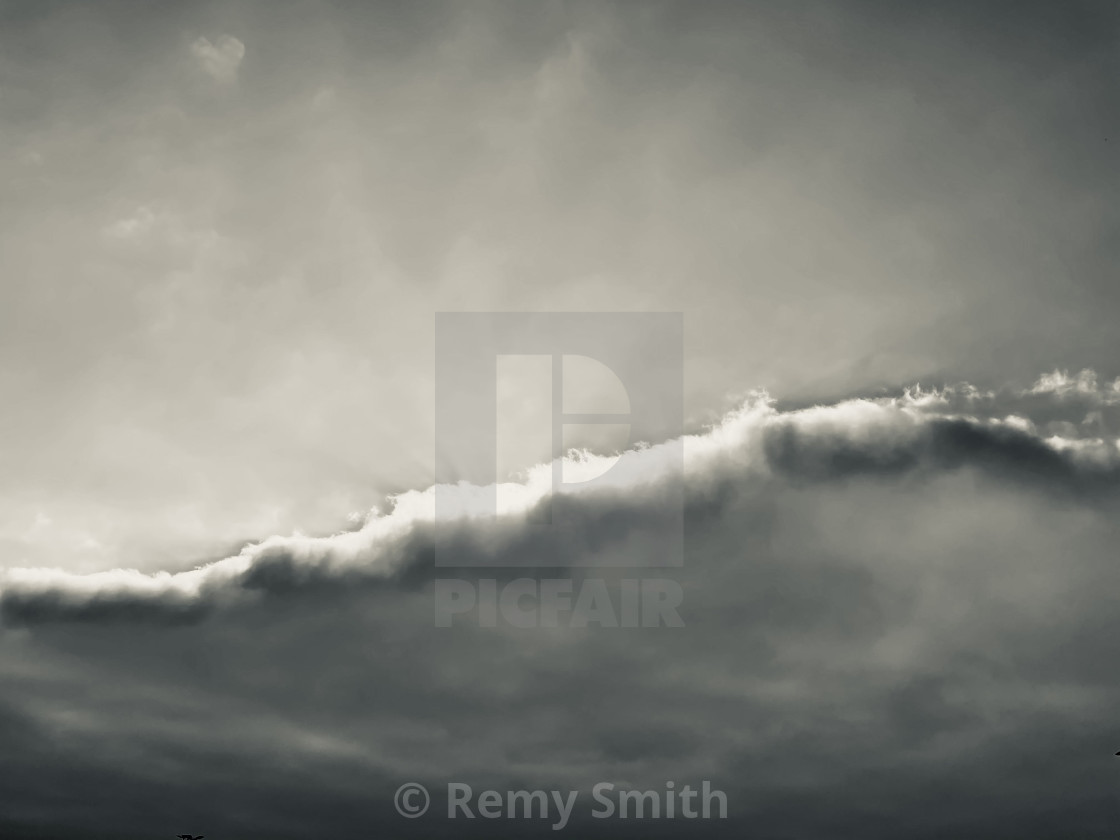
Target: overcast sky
(225,230)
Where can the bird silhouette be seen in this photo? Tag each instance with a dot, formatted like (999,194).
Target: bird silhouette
(190,836)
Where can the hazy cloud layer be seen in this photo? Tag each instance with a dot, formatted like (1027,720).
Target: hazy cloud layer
(201,274)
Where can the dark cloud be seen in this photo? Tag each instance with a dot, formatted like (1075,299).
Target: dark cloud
(225,231)
(866,647)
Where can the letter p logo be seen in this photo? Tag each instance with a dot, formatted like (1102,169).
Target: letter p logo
(514,389)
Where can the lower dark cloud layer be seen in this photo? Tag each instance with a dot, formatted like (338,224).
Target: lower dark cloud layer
(898,623)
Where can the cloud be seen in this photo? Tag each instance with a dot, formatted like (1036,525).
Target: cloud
(133,226)
(888,604)
(220,59)
(900,617)
(919,432)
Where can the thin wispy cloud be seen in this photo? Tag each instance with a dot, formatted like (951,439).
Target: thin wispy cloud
(220,59)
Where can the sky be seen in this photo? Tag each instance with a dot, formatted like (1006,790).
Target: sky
(891,233)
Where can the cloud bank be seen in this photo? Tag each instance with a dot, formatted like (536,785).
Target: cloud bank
(889,602)
(1051,437)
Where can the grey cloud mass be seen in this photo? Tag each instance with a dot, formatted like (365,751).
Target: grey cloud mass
(916,433)
(890,605)
(891,230)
